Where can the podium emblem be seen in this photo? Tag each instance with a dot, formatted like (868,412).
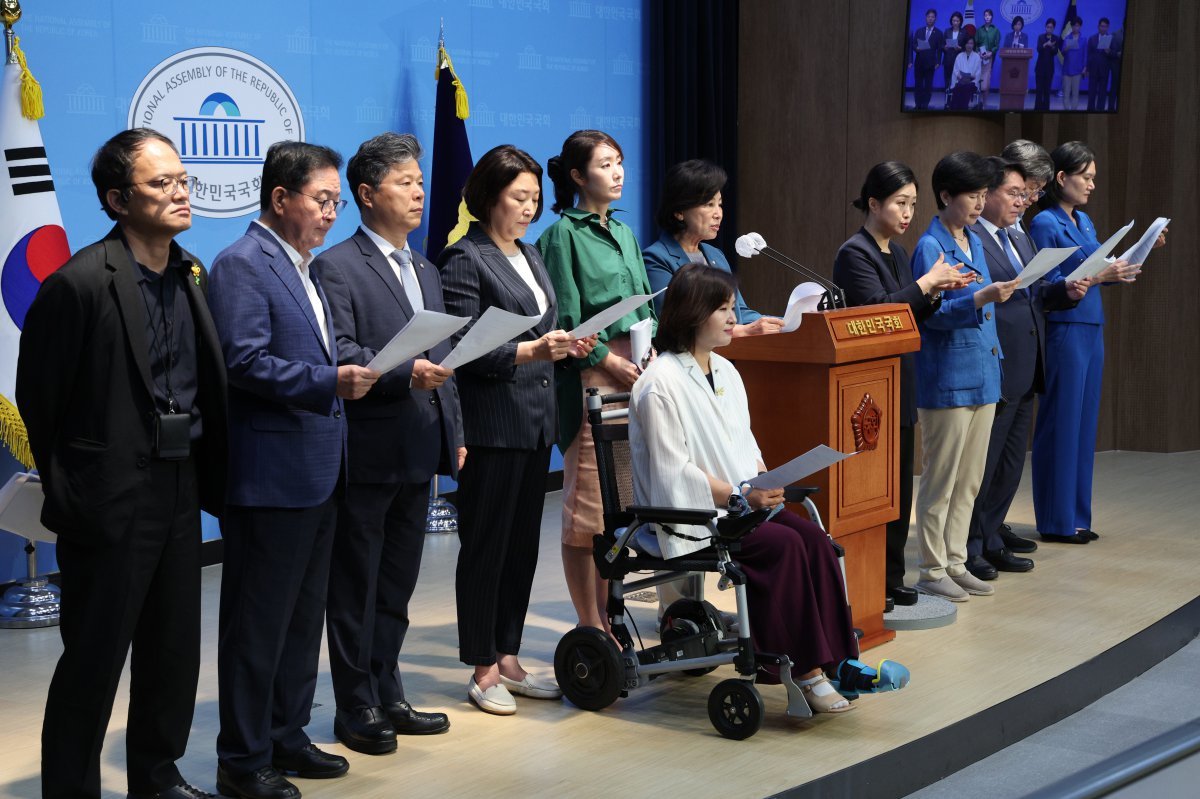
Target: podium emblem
(866,422)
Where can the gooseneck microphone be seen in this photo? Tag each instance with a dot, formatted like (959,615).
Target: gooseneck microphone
(749,245)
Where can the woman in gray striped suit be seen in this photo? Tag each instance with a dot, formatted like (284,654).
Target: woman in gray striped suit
(509,423)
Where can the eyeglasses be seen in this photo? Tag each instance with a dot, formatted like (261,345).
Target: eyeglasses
(171,185)
(1025,196)
(327,206)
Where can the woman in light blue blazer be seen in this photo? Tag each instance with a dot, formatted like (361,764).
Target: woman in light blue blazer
(958,378)
(1064,438)
(690,214)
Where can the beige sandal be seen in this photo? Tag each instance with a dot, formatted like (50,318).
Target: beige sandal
(827,701)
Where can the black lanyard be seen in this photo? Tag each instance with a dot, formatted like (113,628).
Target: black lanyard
(167,327)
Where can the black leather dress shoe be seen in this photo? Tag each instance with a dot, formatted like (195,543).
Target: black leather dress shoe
(310,763)
(903,595)
(408,721)
(889,604)
(1014,542)
(1005,561)
(1074,538)
(980,568)
(266,783)
(1090,535)
(365,729)
(181,791)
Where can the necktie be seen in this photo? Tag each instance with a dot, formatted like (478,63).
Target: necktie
(408,279)
(1006,245)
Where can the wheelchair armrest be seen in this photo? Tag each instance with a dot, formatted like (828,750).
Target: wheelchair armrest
(647,513)
(735,528)
(799,493)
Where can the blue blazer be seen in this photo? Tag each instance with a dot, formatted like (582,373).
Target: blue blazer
(1014,39)
(959,360)
(1020,322)
(1053,228)
(665,257)
(397,434)
(287,435)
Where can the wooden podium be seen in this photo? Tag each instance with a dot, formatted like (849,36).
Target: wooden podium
(1014,77)
(836,381)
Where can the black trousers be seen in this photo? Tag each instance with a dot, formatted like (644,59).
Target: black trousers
(142,590)
(376,559)
(273,587)
(923,84)
(897,531)
(1001,474)
(1045,78)
(500,497)
(1098,88)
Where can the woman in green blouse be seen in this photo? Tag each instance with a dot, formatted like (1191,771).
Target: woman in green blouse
(987,42)
(594,261)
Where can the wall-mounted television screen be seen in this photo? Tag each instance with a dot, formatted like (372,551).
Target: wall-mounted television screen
(964,56)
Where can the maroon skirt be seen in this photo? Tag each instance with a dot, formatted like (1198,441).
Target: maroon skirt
(795,595)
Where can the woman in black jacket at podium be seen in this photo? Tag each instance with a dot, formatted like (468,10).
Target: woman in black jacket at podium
(871,268)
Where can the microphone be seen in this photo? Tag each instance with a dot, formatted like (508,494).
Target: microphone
(750,244)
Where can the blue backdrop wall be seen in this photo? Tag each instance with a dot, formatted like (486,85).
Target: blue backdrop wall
(535,70)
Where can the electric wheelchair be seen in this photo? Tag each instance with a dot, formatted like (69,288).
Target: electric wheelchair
(593,671)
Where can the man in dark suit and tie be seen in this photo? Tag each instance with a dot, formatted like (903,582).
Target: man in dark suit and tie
(1099,66)
(121,385)
(287,462)
(406,430)
(925,54)
(1020,326)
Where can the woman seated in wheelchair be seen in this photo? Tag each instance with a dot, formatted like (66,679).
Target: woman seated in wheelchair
(963,91)
(690,439)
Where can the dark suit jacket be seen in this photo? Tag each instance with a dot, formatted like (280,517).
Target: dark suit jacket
(863,274)
(396,433)
(503,405)
(287,435)
(84,390)
(1046,55)
(926,59)
(1021,321)
(1014,39)
(1099,62)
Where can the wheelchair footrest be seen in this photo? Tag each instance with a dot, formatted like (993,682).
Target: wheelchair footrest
(797,706)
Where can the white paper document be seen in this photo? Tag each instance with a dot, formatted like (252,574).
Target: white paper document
(1138,253)
(494,328)
(21,508)
(611,314)
(640,344)
(818,458)
(1043,262)
(804,299)
(1097,262)
(424,330)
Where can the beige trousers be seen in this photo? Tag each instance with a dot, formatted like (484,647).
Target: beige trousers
(955,444)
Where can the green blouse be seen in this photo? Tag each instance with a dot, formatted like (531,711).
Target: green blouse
(987,38)
(591,267)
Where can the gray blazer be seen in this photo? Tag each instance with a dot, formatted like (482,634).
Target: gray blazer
(503,405)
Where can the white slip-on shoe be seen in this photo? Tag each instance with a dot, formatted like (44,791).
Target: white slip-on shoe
(972,584)
(944,588)
(533,686)
(495,700)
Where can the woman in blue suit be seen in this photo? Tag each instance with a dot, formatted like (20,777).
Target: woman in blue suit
(958,378)
(690,214)
(1064,439)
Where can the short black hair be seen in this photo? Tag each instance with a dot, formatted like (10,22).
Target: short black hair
(493,173)
(112,165)
(290,164)
(687,185)
(376,157)
(692,295)
(1070,158)
(1001,167)
(1051,22)
(1017,19)
(884,180)
(959,173)
(931,11)
(1102,21)
(956,14)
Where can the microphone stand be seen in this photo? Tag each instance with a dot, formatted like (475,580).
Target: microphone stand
(833,293)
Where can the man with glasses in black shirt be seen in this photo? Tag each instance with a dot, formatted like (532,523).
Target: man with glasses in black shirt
(121,385)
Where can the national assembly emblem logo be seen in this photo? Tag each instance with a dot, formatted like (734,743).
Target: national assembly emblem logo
(222,108)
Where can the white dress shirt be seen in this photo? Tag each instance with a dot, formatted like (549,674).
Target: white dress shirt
(521,264)
(403,268)
(301,263)
(681,430)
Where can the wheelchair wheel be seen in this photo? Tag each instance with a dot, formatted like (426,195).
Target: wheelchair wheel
(687,617)
(587,665)
(736,709)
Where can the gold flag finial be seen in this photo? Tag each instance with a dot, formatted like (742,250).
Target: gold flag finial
(10,10)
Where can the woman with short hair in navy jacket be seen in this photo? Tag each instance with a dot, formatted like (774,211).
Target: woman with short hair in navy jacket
(1064,438)
(958,378)
(689,214)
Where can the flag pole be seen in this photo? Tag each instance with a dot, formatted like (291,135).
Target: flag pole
(10,10)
